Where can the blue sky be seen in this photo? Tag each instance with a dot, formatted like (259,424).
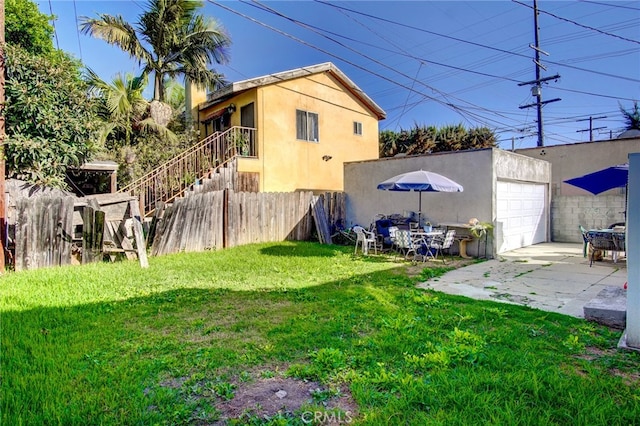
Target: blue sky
(425,62)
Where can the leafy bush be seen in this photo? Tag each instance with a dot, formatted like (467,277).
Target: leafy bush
(50,120)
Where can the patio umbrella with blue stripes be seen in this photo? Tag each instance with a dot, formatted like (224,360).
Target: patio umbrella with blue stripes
(420,181)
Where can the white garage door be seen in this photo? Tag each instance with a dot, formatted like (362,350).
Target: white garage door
(521,210)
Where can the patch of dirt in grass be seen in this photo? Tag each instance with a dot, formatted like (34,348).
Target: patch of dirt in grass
(631,376)
(174,383)
(594,353)
(266,397)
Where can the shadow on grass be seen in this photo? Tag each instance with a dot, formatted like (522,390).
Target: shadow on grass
(302,250)
(116,362)
(325,250)
(156,358)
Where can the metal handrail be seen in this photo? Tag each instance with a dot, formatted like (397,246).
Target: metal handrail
(176,176)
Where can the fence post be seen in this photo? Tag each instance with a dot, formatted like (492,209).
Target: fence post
(138,234)
(225,216)
(141,204)
(157,214)
(92,234)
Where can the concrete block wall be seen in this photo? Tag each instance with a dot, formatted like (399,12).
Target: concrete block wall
(571,206)
(567,212)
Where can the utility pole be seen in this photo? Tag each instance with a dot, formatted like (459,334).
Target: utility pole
(536,89)
(3,225)
(591,128)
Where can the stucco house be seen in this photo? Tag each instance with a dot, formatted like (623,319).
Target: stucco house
(300,126)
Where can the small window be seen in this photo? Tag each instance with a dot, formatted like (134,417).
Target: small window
(307,126)
(357,128)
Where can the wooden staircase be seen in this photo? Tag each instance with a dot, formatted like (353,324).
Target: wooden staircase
(178,175)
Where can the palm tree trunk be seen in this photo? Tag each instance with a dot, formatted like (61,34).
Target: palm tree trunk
(157,87)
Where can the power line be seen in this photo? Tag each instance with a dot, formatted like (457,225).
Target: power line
(403,53)
(53,24)
(593,94)
(610,4)
(456,108)
(336,6)
(420,60)
(607,55)
(579,24)
(138,4)
(591,128)
(466,112)
(75,11)
(408,95)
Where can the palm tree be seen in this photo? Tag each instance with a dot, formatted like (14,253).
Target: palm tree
(169,40)
(127,122)
(631,117)
(125,111)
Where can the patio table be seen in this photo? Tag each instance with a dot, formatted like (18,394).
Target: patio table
(426,235)
(607,240)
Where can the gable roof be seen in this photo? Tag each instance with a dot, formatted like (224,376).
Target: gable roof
(235,88)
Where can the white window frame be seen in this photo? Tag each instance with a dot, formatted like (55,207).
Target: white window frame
(357,128)
(307,126)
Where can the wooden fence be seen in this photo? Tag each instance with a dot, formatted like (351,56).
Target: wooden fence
(268,216)
(219,219)
(43,232)
(334,204)
(193,223)
(44,226)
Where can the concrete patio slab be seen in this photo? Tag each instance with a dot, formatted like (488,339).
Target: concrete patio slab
(553,277)
(608,307)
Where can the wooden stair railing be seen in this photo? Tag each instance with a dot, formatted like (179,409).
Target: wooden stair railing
(173,178)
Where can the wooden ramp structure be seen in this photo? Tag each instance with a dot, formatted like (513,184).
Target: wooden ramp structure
(112,225)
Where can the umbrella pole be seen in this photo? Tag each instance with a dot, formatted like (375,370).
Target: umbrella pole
(419,206)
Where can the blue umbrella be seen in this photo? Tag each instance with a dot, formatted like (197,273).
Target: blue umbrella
(420,181)
(602,180)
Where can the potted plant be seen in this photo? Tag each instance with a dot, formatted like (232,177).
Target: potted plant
(239,142)
(480,230)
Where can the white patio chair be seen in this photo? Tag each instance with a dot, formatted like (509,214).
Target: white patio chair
(441,244)
(405,243)
(392,236)
(365,239)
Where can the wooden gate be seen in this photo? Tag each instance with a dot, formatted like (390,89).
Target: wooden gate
(43,232)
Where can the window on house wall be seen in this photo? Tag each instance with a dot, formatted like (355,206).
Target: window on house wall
(307,126)
(357,128)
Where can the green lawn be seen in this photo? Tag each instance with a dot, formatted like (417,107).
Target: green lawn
(172,344)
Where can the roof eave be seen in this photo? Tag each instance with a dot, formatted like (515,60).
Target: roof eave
(234,88)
